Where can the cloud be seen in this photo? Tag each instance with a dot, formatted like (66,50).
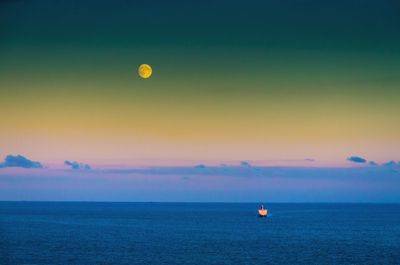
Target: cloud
(356,159)
(234,183)
(391,164)
(77,165)
(201,166)
(245,164)
(19,161)
(309,159)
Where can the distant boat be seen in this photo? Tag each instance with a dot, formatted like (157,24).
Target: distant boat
(262,212)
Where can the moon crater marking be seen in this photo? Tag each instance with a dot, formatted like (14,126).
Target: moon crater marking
(145,71)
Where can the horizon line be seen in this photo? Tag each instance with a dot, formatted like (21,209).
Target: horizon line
(197,202)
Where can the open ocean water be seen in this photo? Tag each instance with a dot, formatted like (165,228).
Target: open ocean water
(197,233)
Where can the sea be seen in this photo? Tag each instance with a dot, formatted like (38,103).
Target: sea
(88,233)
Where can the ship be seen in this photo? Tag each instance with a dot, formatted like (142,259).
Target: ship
(262,212)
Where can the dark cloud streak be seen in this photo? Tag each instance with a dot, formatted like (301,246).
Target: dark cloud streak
(19,161)
(77,166)
(357,159)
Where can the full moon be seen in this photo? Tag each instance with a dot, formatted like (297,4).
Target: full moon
(145,71)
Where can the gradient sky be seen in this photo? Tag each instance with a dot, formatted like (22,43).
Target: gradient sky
(273,82)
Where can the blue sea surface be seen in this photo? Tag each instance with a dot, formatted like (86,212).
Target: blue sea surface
(90,233)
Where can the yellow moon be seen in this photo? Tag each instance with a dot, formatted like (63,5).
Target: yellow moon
(145,71)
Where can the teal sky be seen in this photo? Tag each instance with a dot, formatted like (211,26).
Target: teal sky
(294,78)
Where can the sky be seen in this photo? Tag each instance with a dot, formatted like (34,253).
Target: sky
(294,84)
